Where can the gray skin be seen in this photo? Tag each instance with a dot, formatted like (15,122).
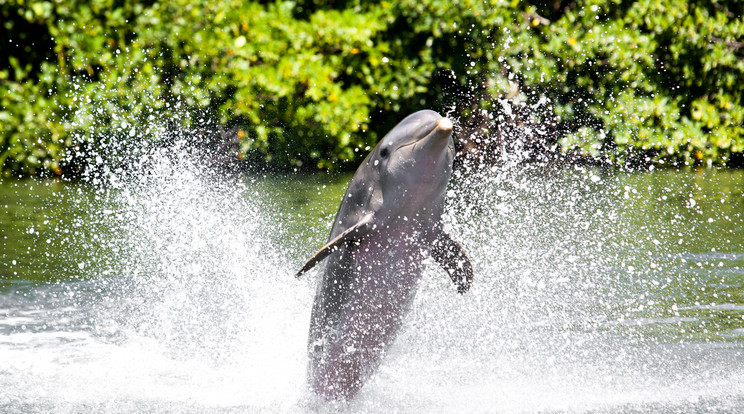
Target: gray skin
(389,220)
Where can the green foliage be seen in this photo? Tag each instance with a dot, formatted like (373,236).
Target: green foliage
(312,83)
(658,76)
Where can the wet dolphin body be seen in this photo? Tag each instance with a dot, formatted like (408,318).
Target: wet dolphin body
(389,219)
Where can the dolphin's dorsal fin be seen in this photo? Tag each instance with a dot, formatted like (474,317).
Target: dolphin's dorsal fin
(449,254)
(353,233)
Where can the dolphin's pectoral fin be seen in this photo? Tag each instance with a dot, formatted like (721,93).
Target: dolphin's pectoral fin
(352,234)
(449,254)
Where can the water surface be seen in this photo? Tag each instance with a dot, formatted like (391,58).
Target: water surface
(173,291)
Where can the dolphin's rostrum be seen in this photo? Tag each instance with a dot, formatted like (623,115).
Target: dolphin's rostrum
(389,219)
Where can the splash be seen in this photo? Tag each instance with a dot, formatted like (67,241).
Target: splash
(179,296)
(595,291)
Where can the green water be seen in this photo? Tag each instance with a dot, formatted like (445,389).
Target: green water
(692,224)
(594,290)
(677,246)
(36,216)
(30,211)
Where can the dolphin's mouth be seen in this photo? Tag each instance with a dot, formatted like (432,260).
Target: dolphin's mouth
(442,124)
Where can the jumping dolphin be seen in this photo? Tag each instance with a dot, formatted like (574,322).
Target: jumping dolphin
(389,219)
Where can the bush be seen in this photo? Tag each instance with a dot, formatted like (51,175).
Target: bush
(314,83)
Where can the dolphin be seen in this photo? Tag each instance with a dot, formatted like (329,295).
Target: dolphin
(390,219)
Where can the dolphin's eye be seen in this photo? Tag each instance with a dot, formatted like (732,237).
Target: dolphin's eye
(384,152)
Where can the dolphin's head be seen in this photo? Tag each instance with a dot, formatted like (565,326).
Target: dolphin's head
(414,162)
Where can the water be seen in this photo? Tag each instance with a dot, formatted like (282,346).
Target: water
(171,289)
